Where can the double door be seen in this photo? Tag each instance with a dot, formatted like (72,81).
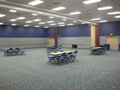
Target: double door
(113,41)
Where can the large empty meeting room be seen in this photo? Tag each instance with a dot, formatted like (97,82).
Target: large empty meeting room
(59,44)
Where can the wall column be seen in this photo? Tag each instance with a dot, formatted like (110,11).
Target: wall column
(97,36)
(56,37)
(93,29)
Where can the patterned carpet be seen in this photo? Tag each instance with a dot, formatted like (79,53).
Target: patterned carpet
(32,72)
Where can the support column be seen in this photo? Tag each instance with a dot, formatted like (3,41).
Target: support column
(56,37)
(97,36)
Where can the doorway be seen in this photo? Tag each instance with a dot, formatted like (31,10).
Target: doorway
(51,41)
(113,41)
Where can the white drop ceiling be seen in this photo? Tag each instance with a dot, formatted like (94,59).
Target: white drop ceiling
(44,10)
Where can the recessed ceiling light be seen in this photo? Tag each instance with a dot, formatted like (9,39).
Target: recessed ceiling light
(74,13)
(21,18)
(91,1)
(112,13)
(36,2)
(1,23)
(12,10)
(61,25)
(42,23)
(96,19)
(51,17)
(105,8)
(50,21)
(70,24)
(117,16)
(64,19)
(58,8)
(26,25)
(28,21)
(46,27)
(2,15)
(36,20)
(36,26)
(13,24)
(53,24)
(12,20)
(103,21)
(34,14)
(74,21)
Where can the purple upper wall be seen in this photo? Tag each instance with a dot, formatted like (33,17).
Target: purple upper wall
(50,32)
(74,31)
(9,31)
(111,27)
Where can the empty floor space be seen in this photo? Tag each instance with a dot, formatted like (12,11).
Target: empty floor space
(32,72)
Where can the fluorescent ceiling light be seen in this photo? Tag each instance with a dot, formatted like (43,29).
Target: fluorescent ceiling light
(74,13)
(112,13)
(58,8)
(26,25)
(2,15)
(117,16)
(42,23)
(61,23)
(34,14)
(83,22)
(46,27)
(36,20)
(64,19)
(36,26)
(51,17)
(50,21)
(96,19)
(105,8)
(74,21)
(103,21)
(28,21)
(70,24)
(12,20)
(20,18)
(53,24)
(13,24)
(1,23)
(91,1)
(12,10)
(36,2)
(87,22)
(94,23)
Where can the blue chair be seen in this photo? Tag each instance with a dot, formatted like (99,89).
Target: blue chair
(21,51)
(73,56)
(61,58)
(50,57)
(5,51)
(67,57)
(61,50)
(55,51)
(16,51)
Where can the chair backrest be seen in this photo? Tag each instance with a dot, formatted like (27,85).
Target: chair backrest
(61,50)
(48,52)
(75,52)
(10,48)
(55,51)
(63,54)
